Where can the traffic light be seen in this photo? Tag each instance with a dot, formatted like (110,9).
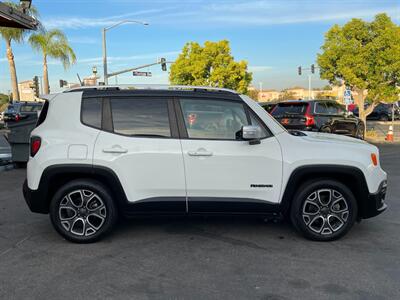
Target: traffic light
(299,70)
(36,86)
(312,69)
(163,64)
(63,83)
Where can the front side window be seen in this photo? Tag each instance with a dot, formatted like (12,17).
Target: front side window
(140,117)
(213,119)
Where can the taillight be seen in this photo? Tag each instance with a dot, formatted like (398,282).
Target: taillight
(309,118)
(36,142)
(17,117)
(374,159)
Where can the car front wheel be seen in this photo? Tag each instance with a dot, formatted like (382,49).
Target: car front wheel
(83,211)
(323,210)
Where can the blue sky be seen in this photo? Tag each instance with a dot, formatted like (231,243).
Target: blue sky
(273,36)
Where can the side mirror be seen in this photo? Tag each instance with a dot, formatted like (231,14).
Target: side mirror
(251,134)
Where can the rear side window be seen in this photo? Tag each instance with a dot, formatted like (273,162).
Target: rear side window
(91,112)
(328,108)
(289,109)
(140,117)
(26,108)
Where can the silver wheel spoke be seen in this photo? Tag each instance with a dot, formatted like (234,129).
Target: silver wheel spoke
(325,211)
(324,196)
(82,212)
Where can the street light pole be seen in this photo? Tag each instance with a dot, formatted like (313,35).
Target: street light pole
(105,46)
(105,58)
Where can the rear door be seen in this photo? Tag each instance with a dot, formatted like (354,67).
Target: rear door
(223,172)
(140,143)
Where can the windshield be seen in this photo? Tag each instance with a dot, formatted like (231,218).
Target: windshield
(290,109)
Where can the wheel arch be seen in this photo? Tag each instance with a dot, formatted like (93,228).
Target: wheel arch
(55,176)
(350,176)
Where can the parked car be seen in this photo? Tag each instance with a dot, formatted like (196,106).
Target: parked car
(101,152)
(17,111)
(318,115)
(268,106)
(382,112)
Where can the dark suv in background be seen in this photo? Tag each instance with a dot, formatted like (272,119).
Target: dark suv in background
(17,111)
(383,112)
(318,115)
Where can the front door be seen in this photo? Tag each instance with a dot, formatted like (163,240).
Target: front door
(142,147)
(224,173)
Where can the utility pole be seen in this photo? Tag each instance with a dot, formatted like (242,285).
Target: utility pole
(312,69)
(104,30)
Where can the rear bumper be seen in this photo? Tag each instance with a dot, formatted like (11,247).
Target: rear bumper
(35,200)
(375,203)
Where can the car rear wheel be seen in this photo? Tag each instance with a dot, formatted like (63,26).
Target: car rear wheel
(83,211)
(323,210)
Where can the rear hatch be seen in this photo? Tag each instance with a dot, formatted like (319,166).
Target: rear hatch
(10,112)
(292,115)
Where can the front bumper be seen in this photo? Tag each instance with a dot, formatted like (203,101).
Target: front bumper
(35,199)
(375,203)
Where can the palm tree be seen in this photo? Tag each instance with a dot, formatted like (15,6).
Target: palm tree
(10,35)
(52,44)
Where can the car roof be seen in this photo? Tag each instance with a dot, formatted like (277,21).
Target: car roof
(156,90)
(308,101)
(153,87)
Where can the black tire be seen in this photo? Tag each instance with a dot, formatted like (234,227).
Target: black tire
(335,221)
(92,209)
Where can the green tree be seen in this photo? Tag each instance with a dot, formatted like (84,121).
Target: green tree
(10,35)
(211,65)
(253,94)
(53,44)
(366,56)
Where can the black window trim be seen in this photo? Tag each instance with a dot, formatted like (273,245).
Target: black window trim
(175,114)
(183,130)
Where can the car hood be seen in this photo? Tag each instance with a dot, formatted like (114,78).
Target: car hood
(331,138)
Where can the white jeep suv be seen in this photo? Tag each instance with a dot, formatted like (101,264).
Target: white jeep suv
(100,152)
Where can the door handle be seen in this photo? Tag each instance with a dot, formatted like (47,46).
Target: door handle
(200,153)
(115,150)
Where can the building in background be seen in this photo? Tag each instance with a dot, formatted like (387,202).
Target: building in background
(26,91)
(268,95)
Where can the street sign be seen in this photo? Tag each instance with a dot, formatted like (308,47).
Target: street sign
(137,73)
(347,97)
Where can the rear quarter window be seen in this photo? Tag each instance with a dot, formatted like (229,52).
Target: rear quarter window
(43,113)
(91,112)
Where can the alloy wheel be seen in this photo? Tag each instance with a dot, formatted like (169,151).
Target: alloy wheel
(82,212)
(325,211)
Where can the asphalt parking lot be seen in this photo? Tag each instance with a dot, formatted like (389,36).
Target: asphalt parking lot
(199,258)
